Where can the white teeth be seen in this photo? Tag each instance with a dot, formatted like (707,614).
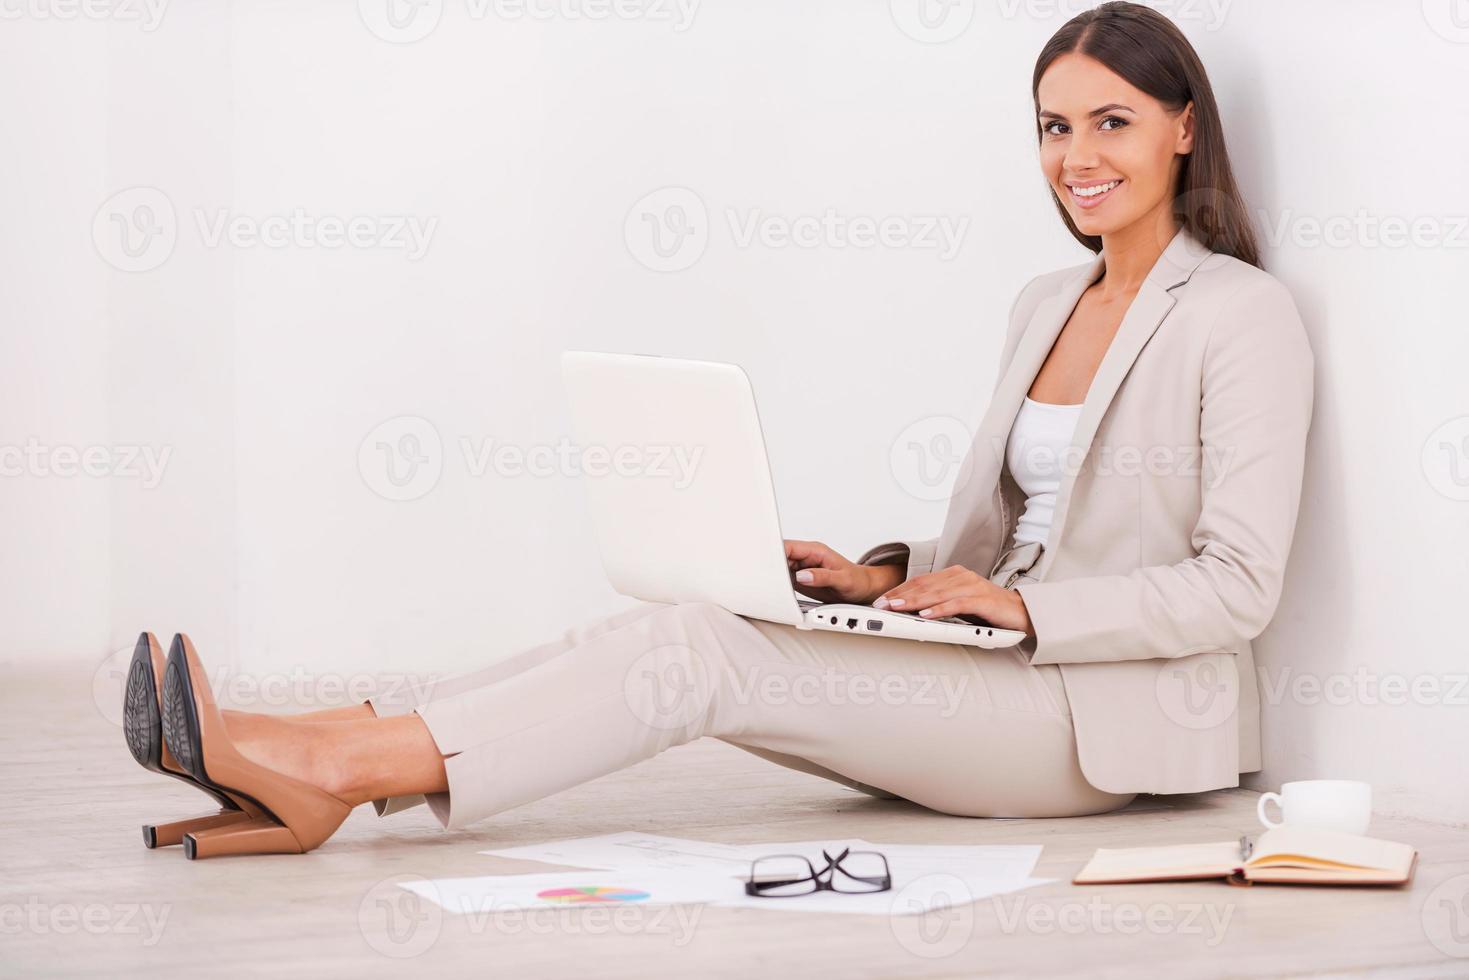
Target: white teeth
(1094,191)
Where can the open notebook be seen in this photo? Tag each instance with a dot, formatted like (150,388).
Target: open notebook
(1286,855)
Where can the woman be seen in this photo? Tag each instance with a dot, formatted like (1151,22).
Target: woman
(1130,507)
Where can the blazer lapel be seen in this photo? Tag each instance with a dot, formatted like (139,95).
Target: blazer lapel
(1030,353)
(1154,300)
(1148,309)
(972,523)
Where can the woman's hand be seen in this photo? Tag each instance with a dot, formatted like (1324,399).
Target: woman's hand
(821,574)
(958,591)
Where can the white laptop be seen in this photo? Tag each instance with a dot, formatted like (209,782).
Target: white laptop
(683,503)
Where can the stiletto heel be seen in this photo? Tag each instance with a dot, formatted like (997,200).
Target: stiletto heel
(260,837)
(168,834)
(195,732)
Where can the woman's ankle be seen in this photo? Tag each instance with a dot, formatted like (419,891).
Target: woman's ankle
(355,761)
(373,760)
(350,712)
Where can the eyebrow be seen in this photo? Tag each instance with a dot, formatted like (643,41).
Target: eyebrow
(1100,110)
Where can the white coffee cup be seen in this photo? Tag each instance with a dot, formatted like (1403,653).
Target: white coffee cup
(1321,804)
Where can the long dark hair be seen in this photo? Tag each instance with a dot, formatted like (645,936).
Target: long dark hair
(1145,48)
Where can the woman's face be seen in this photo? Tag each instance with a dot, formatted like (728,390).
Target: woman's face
(1109,150)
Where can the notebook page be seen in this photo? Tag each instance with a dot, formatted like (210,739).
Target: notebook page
(1202,859)
(1330,847)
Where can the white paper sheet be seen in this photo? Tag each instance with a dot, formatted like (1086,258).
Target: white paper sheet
(488,894)
(572,890)
(674,870)
(634,850)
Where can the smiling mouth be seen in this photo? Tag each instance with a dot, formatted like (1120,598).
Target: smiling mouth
(1091,197)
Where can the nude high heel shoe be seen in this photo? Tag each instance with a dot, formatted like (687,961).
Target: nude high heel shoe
(142,727)
(194,730)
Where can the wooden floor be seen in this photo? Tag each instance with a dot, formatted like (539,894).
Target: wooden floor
(79,894)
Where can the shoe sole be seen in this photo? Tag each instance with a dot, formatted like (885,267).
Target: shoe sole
(140,719)
(142,726)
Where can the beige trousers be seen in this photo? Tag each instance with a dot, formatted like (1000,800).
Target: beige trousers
(957,729)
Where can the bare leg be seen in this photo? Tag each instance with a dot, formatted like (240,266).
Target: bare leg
(239,721)
(355,760)
(349,712)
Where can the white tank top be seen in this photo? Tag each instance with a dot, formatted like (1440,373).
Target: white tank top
(1036,454)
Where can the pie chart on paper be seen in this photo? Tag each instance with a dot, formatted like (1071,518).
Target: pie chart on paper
(589,894)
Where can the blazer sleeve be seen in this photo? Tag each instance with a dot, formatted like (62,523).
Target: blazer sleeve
(917,556)
(1255,412)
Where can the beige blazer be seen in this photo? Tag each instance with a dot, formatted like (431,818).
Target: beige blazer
(1168,546)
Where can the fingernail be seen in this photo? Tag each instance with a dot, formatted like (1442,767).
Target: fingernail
(879,603)
(804,576)
(895,603)
(925,612)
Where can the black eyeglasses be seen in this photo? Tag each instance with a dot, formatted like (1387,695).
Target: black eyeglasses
(852,872)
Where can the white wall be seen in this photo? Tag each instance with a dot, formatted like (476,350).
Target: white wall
(171,131)
(54,522)
(1367,132)
(527,143)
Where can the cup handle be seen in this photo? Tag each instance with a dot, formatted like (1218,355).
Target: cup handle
(1260,809)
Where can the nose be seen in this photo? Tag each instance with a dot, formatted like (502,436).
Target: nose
(1081,154)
